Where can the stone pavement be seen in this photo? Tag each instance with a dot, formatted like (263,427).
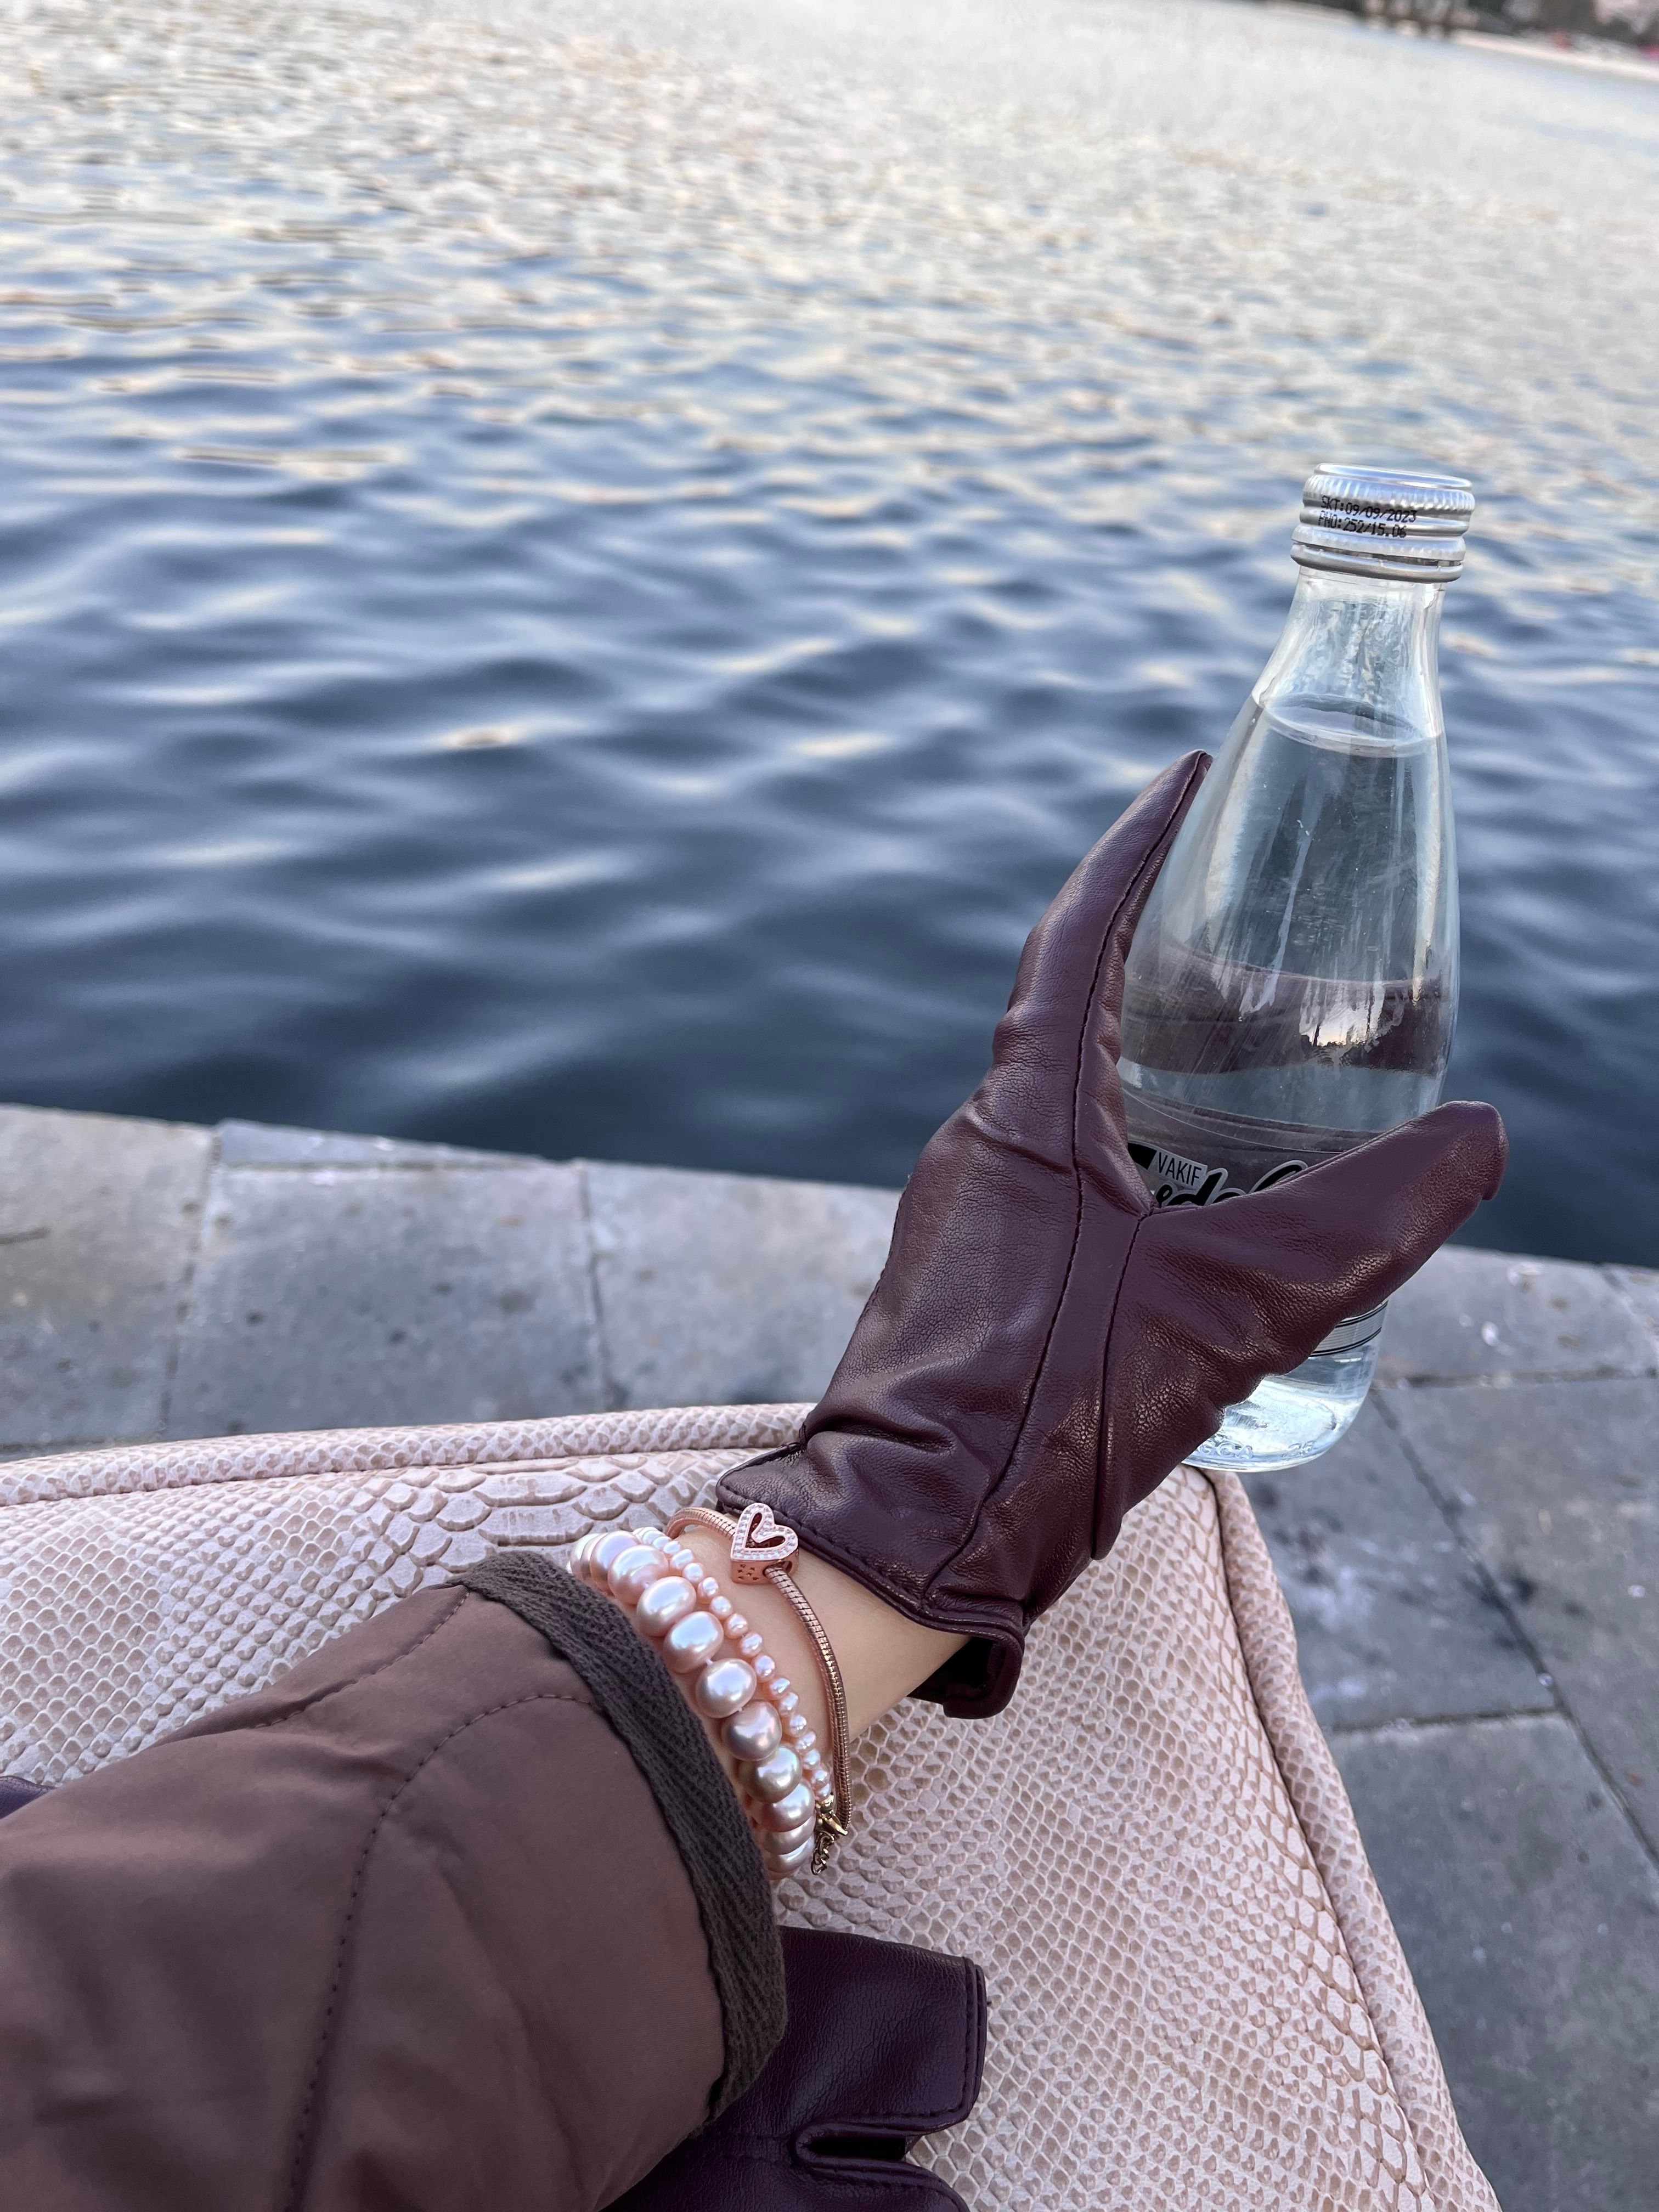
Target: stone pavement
(1475,1573)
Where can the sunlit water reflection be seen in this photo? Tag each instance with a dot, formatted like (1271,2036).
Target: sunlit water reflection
(571,577)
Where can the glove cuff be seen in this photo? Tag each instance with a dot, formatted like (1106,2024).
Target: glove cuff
(975,1682)
(885,2043)
(978,1680)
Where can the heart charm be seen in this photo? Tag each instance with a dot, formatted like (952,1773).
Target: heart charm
(759,1542)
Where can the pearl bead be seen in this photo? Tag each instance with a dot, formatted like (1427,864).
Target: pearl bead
(796,1726)
(610,1546)
(780,1847)
(736,1626)
(632,1573)
(683,1559)
(663,1604)
(765,1668)
(788,1702)
(777,1687)
(720,1606)
(649,1536)
(808,1741)
(773,1776)
(691,1643)
(753,1734)
(798,1862)
(709,1589)
(721,1688)
(749,1645)
(789,1810)
(812,1759)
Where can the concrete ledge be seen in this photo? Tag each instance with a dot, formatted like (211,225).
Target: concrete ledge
(728,1289)
(1395,1621)
(100,1223)
(1474,1571)
(384,1293)
(160,1281)
(1530,1916)
(1487,1316)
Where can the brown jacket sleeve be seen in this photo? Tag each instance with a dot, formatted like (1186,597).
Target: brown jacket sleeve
(414,1928)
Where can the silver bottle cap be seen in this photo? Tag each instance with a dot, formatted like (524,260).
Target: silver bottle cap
(1404,523)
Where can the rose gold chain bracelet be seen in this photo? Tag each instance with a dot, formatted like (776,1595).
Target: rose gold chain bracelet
(761,1549)
(796,1803)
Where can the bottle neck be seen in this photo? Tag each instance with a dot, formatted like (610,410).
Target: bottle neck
(1359,661)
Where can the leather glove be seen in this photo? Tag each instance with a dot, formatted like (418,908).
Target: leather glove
(1043,1346)
(885,2043)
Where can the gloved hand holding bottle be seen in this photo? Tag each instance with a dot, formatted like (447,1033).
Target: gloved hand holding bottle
(1045,1344)
(1292,987)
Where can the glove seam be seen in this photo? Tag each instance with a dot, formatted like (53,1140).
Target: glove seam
(1154,861)
(307,2127)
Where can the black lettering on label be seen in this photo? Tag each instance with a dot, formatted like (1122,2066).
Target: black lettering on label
(1174,1180)
(1282,1173)
(1368,522)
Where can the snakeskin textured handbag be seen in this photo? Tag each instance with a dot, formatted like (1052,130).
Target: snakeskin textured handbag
(1196,1998)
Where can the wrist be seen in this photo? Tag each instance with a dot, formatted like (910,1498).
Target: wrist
(882,1655)
(783,1636)
(792,1788)
(783,1664)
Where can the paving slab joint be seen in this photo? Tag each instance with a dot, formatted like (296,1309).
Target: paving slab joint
(1636,1290)
(608,1376)
(187,1299)
(1421,1724)
(1508,1378)
(1495,1596)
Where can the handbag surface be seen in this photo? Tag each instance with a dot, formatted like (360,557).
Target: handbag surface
(1196,1996)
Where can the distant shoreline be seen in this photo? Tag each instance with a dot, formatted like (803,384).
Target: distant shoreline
(1545,49)
(1632,62)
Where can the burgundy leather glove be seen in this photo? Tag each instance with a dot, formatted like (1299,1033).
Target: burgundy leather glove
(885,2043)
(1043,1346)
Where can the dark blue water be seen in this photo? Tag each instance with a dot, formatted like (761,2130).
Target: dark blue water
(573,577)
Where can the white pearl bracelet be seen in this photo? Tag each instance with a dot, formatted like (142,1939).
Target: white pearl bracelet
(788,1793)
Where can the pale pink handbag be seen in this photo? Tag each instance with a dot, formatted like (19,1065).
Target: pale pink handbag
(1197,1999)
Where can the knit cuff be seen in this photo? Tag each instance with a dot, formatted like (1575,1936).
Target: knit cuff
(638,1697)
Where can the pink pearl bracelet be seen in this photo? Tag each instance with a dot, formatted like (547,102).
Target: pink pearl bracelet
(787,1789)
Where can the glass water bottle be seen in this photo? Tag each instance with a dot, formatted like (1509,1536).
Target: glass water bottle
(1292,985)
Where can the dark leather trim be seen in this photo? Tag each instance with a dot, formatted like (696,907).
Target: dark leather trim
(885,2042)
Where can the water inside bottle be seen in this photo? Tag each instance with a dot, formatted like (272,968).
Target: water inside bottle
(1290,998)
(1297,958)
(1290,1419)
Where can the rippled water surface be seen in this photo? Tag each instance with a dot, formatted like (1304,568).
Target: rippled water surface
(572,578)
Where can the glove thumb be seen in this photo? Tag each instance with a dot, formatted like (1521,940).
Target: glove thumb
(1224,1295)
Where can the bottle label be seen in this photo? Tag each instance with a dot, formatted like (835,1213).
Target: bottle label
(1195,1156)
(1198,1156)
